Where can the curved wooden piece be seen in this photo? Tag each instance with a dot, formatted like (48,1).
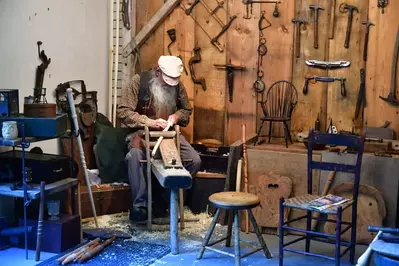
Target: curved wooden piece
(371,210)
(270,189)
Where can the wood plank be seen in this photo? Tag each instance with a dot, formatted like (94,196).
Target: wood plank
(241,46)
(170,155)
(158,16)
(342,109)
(184,26)
(209,105)
(379,63)
(171,178)
(152,48)
(305,113)
(278,62)
(209,175)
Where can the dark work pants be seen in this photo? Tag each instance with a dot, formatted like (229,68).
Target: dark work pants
(136,170)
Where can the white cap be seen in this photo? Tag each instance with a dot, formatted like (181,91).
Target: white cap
(172,68)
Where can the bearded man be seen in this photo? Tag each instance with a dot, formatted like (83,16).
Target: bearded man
(154,99)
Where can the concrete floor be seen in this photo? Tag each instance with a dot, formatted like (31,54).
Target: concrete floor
(190,241)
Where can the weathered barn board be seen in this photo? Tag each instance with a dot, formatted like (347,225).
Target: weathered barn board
(209,110)
(315,102)
(152,49)
(379,64)
(277,63)
(342,109)
(184,44)
(242,43)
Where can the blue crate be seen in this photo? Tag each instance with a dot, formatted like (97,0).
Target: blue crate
(9,102)
(40,127)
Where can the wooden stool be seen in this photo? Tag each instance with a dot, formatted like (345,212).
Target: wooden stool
(234,201)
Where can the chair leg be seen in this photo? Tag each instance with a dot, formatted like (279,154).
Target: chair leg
(353,234)
(230,216)
(338,238)
(308,228)
(281,232)
(259,235)
(208,235)
(270,130)
(149,182)
(285,135)
(288,131)
(237,254)
(259,131)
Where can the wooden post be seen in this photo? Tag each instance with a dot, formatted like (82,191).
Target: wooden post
(174,237)
(40,220)
(181,192)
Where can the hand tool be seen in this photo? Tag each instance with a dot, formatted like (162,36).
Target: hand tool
(382,4)
(324,79)
(225,27)
(316,9)
(154,151)
(276,13)
(262,19)
(361,98)
(245,155)
(391,96)
(219,6)
(326,64)
(332,19)
(366,38)
(125,14)
(298,23)
(172,37)
(230,75)
(81,152)
(196,59)
(350,9)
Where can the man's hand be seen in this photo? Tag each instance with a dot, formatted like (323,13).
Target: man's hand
(158,124)
(173,119)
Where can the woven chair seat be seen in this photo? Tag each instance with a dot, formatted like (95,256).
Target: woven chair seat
(234,200)
(300,202)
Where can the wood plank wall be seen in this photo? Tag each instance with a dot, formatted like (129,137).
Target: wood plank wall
(215,117)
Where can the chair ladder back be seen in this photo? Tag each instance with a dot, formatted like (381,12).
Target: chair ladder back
(356,142)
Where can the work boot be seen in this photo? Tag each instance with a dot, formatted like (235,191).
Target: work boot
(138,215)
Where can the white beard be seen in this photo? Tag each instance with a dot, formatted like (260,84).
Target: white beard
(163,96)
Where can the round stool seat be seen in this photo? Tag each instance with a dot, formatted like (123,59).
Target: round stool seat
(234,200)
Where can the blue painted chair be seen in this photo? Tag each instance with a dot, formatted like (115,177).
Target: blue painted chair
(298,202)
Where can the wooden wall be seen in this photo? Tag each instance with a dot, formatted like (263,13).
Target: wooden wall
(215,117)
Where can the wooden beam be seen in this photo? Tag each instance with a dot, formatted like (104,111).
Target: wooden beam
(150,27)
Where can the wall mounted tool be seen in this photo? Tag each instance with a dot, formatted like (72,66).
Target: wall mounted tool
(250,3)
(125,14)
(219,6)
(196,59)
(332,19)
(324,79)
(225,27)
(298,23)
(382,4)
(350,10)
(327,65)
(391,96)
(361,98)
(316,9)
(172,36)
(366,38)
(230,68)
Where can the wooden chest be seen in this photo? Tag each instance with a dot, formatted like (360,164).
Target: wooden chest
(57,235)
(107,200)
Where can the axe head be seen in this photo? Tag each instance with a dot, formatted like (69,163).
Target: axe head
(316,8)
(367,23)
(351,8)
(298,21)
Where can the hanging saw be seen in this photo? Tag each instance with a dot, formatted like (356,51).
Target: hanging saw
(225,27)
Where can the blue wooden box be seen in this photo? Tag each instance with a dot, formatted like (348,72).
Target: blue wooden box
(40,127)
